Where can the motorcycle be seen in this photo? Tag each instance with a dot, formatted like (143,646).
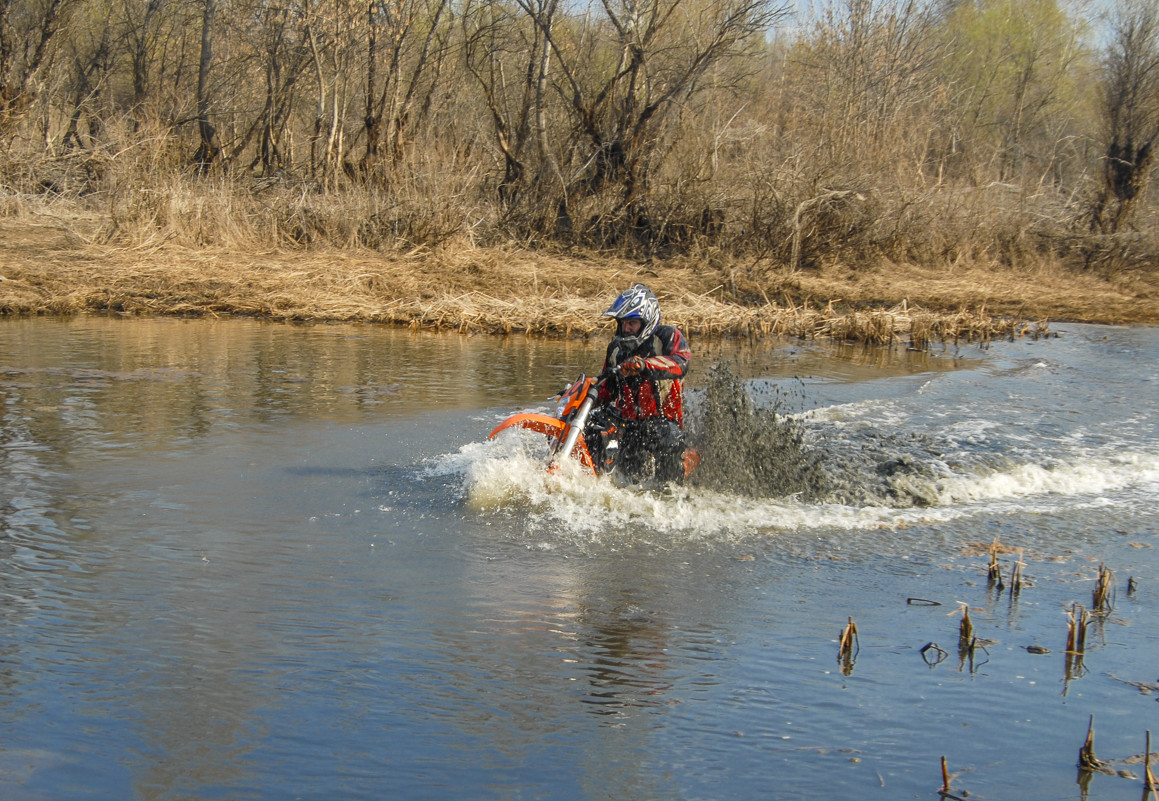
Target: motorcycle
(604,442)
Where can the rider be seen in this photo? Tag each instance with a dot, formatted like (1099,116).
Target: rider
(647,390)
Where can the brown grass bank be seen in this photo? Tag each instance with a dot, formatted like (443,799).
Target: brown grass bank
(51,267)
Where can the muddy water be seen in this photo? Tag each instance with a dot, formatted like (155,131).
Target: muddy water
(242,560)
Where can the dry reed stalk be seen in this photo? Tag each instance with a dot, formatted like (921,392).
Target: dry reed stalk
(1102,597)
(1076,638)
(944,792)
(1087,759)
(922,330)
(850,646)
(966,627)
(1150,779)
(994,572)
(1016,574)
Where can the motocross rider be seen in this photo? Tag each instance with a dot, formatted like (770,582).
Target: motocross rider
(647,390)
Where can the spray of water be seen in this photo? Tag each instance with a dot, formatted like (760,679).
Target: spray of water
(748,448)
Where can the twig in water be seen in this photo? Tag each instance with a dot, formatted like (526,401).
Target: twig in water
(945,791)
(938,657)
(922,602)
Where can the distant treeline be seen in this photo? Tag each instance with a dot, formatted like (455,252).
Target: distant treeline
(1008,131)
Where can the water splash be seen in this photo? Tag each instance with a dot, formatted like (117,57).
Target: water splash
(854,467)
(749,449)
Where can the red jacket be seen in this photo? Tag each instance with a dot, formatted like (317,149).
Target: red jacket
(658,389)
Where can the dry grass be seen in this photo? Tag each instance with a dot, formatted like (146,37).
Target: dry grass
(54,263)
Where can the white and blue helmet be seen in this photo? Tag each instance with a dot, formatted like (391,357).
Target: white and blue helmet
(635,303)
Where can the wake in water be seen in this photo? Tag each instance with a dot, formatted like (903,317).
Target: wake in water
(849,467)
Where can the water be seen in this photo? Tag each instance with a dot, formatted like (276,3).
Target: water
(252,561)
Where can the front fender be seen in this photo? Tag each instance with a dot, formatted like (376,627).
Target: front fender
(551,426)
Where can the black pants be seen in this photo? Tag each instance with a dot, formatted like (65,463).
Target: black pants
(640,443)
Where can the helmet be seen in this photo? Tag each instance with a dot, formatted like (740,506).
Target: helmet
(635,303)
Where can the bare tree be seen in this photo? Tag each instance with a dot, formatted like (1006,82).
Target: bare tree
(510,60)
(1130,111)
(874,76)
(140,36)
(412,35)
(1012,69)
(209,145)
(626,78)
(330,30)
(26,39)
(89,63)
(282,54)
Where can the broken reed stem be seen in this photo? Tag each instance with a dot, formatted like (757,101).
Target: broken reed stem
(850,643)
(945,776)
(1087,758)
(1150,779)
(1102,599)
(937,658)
(965,628)
(1084,621)
(1076,629)
(994,572)
(1016,574)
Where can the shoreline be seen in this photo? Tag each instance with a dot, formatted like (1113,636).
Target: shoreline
(51,269)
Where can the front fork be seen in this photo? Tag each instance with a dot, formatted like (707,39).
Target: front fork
(575,428)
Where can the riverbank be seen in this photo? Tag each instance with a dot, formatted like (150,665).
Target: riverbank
(50,266)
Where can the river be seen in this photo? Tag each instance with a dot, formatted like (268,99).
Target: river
(245,560)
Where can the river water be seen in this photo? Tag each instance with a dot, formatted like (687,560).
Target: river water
(242,560)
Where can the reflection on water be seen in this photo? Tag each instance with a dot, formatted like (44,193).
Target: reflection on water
(243,560)
(198,374)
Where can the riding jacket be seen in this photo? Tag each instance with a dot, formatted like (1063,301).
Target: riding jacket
(657,391)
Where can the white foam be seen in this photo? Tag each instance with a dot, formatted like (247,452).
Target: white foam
(509,475)
(875,411)
(1080,475)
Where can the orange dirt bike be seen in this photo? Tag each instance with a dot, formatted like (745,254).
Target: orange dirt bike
(631,452)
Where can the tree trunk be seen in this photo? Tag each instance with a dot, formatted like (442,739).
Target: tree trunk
(210,146)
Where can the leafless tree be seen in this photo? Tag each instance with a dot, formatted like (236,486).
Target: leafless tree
(409,38)
(26,40)
(509,56)
(89,63)
(209,145)
(1130,111)
(874,76)
(330,29)
(626,77)
(282,54)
